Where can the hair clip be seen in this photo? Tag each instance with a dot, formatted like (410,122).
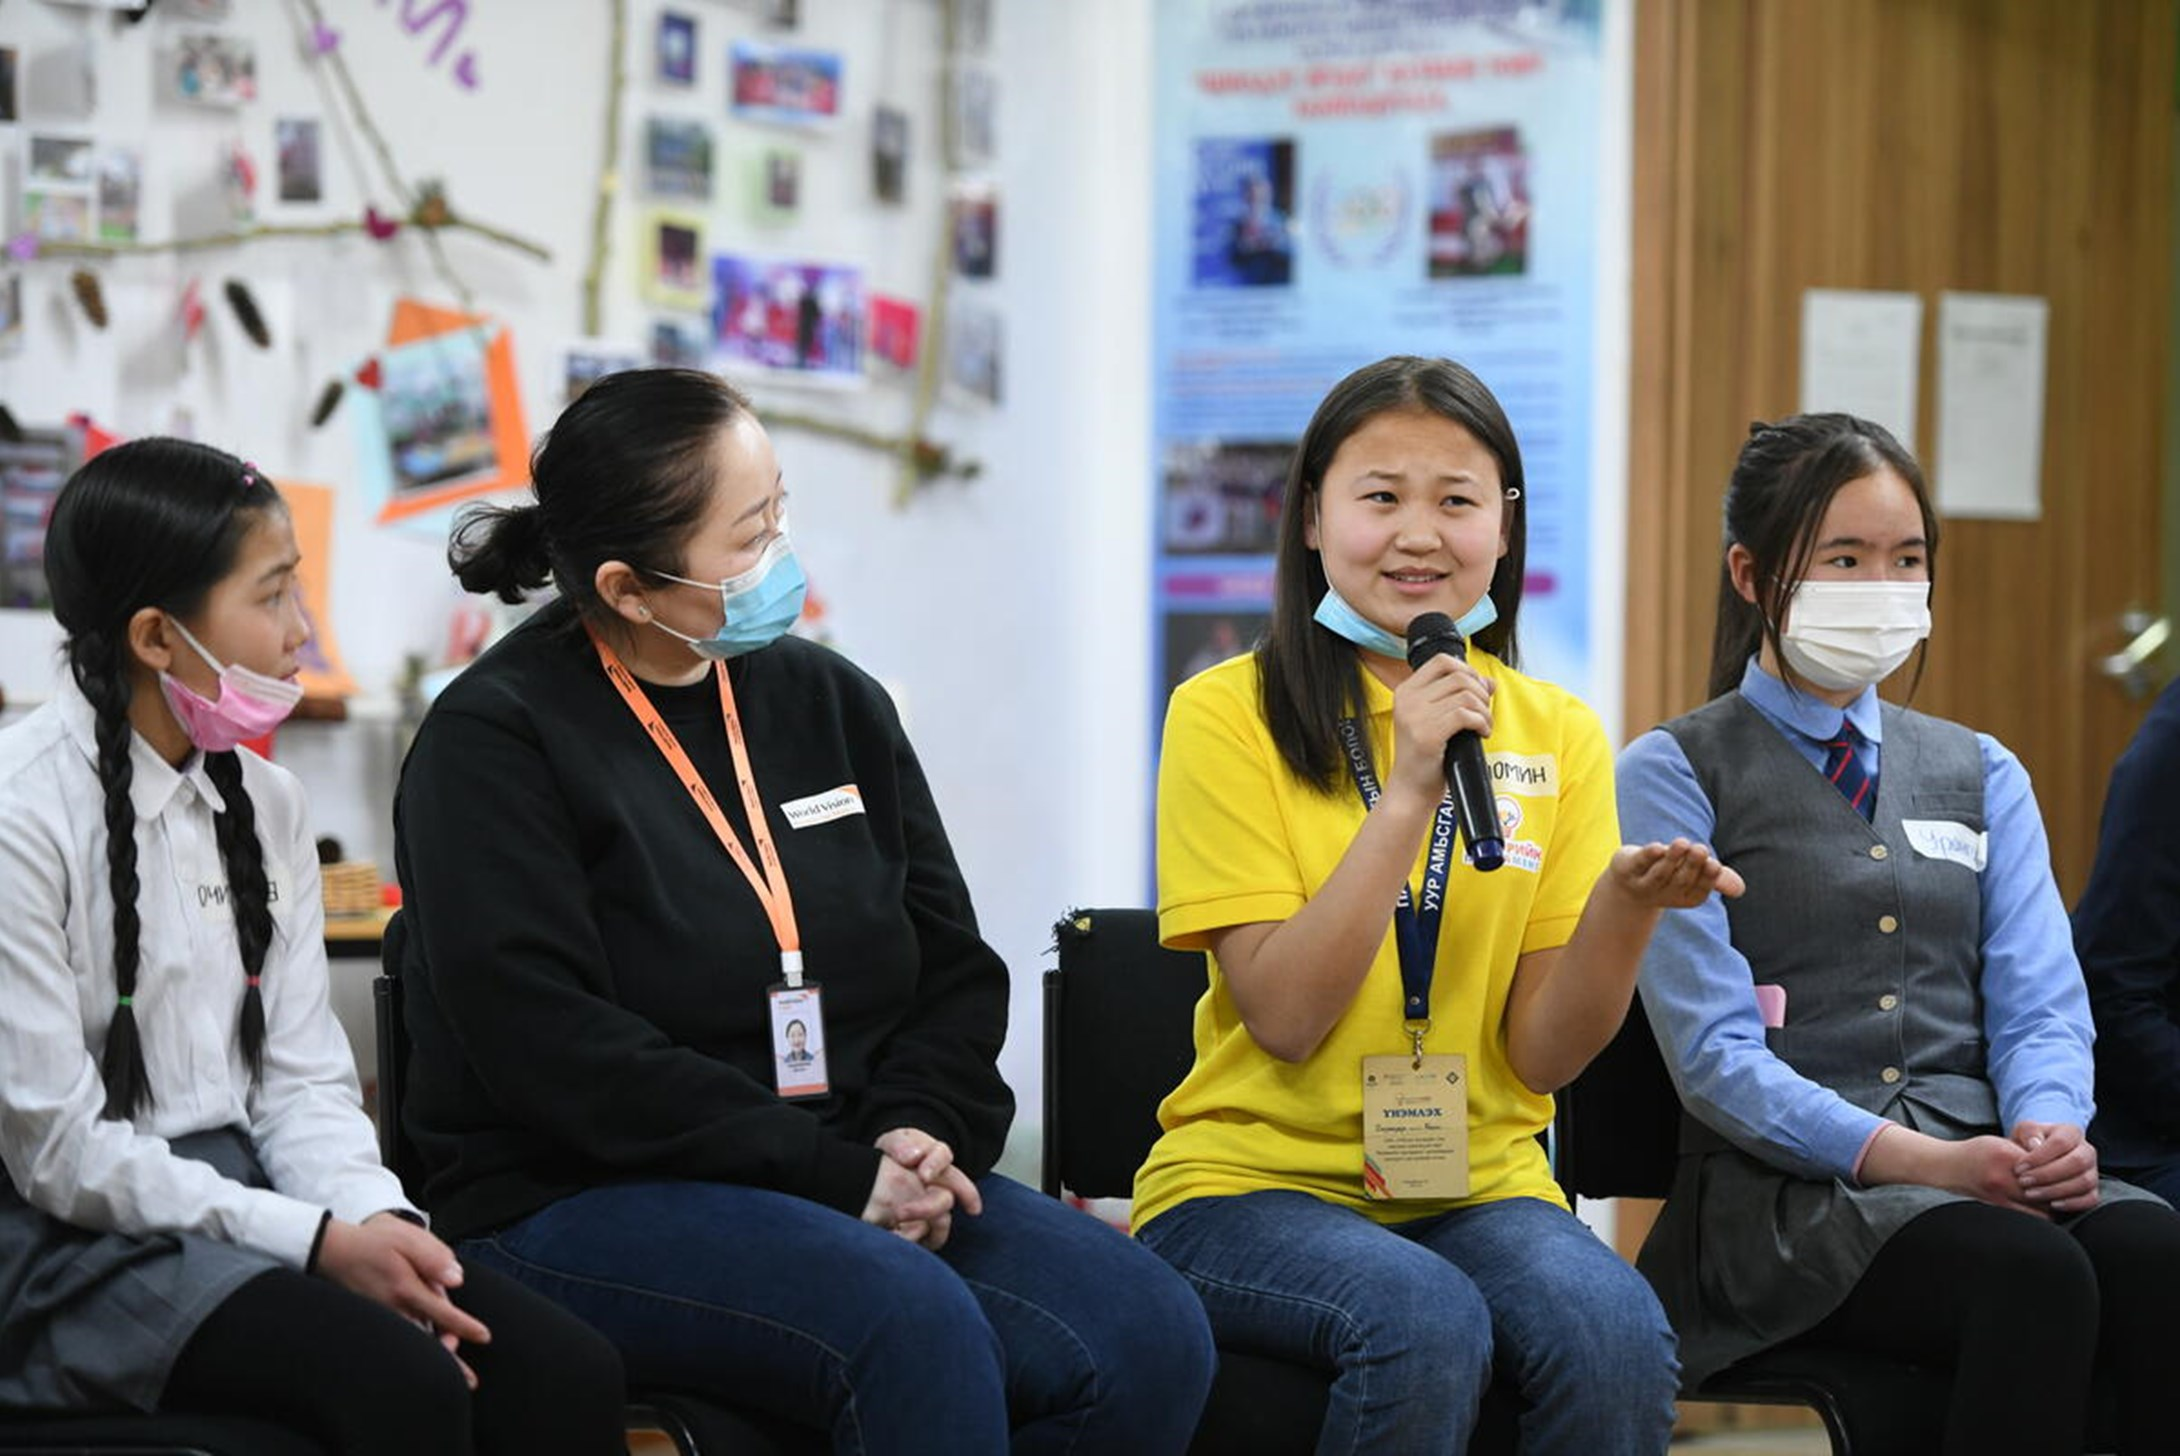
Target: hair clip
(249,475)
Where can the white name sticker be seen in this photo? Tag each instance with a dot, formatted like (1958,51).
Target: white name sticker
(1532,775)
(824,808)
(1943,839)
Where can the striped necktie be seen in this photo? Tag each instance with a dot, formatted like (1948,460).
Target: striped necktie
(1843,766)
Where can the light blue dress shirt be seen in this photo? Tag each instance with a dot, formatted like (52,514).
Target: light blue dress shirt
(1699,991)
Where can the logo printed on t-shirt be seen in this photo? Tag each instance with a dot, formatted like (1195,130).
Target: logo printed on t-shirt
(1532,775)
(214,902)
(823,808)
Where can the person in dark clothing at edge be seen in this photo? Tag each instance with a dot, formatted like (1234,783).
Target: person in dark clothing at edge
(642,836)
(2127,933)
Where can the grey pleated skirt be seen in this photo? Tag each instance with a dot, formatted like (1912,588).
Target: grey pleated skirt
(1745,1256)
(92,1321)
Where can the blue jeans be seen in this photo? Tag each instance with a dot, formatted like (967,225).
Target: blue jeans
(1036,1329)
(1413,1319)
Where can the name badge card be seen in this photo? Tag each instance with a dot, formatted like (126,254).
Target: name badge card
(1415,1127)
(798,1040)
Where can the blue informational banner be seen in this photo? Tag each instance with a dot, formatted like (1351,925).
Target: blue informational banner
(1338,180)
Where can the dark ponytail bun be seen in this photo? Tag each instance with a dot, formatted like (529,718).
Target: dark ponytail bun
(501,550)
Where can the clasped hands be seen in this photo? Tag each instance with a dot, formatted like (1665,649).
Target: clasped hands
(919,1188)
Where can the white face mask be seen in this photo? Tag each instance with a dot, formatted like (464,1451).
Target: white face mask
(1843,636)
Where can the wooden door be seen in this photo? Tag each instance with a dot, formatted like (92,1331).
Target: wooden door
(1993,146)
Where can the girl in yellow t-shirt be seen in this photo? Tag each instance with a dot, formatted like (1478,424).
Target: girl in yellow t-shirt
(1349,1176)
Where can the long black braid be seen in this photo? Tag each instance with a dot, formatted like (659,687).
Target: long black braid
(155,523)
(242,856)
(94,658)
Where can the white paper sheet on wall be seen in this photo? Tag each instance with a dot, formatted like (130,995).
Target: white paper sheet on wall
(1861,353)
(1990,406)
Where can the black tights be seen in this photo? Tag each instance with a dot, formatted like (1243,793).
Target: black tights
(2024,1312)
(302,1352)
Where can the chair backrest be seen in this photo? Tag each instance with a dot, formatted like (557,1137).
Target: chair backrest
(1617,1130)
(1119,1013)
(394,1148)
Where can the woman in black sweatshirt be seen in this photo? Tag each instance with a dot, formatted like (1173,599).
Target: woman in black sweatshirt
(725,1085)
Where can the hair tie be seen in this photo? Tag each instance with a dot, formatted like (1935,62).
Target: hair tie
(249,475)
(126,1002)
(251,981)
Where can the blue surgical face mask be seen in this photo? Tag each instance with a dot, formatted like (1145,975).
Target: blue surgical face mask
(759,605)
(1336,616)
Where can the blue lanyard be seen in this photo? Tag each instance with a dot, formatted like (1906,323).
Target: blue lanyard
(1415,927)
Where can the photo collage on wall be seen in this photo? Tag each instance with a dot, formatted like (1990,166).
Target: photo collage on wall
(74,164)
(753,130)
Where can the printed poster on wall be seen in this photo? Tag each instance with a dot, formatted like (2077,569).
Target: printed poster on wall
(1336,182)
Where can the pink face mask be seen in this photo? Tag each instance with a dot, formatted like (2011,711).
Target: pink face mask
(250,704)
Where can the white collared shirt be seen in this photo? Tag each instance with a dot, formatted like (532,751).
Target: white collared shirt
(57,997)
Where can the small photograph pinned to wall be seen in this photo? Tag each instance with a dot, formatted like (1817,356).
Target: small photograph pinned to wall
(889,154)
(674,275)
(973,223)
(1243,232)
(679,343)
(58,162)
(7,83)
(300,160)
(439,420)
(59,178)
(787,85)
(677,158)
(438,412)
(896,329)
(212,70)
(1479,204)
(801,321)
(11,314)
(970,25)
(975,352)
(586,361)
(120,193)
(676,49)
(57,217)
(779,185)
(974,138)
(781,14)
(437,415)
(31,472)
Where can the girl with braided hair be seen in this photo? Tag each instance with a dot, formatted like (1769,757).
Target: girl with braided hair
(195,1218)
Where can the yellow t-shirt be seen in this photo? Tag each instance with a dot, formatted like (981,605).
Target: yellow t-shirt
(1241,839)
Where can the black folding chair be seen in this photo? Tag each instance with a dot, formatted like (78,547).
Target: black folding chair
(697,1425)
(1118,1013)
(1617,1135)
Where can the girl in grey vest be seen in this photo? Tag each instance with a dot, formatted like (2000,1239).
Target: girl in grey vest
(1884,1043)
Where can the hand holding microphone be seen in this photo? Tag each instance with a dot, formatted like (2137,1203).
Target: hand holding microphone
(1430,635)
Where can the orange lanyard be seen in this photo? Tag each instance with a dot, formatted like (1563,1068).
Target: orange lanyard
(771,885)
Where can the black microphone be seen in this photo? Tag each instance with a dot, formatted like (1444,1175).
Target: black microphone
(1474,806)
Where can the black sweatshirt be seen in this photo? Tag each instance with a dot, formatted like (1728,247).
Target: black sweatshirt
(586,982)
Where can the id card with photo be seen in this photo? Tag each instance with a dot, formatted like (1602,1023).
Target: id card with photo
(798,1040)
(1415,1127)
